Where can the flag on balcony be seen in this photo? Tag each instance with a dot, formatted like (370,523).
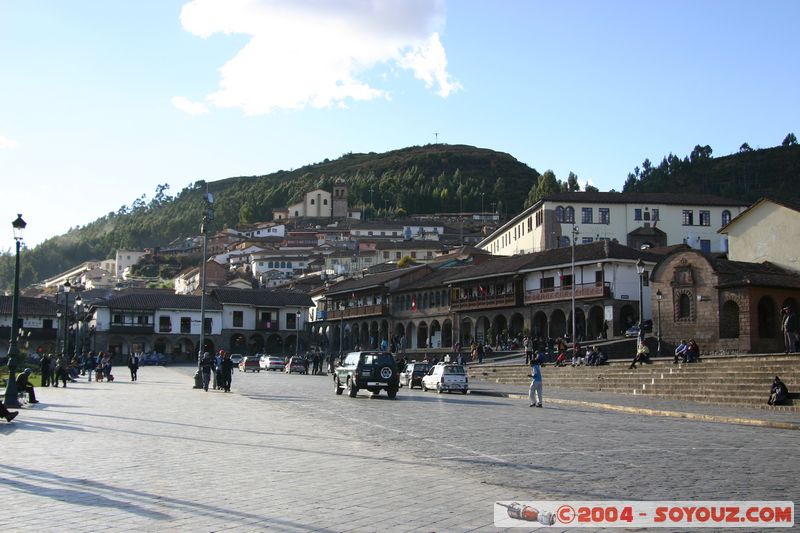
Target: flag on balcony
(413,302)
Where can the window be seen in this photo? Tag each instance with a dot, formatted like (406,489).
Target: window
(605,215)
(413,255)
(705,218)
(312,201)
(587,217)
(530,223)
(397,255)
(684,306)
(325,201)
(566,280)
(655,215)
(569,215)
(291,321)
(637,214)
(586,240)
(726,217)
(117,319)
(47,323)
(428,255)
(559,214)
(688,217)
(563,241)
(186,324)
(238,319)
(164,324)
(386,255)
(705,245)
(538,218)
(207,326)
(288,264)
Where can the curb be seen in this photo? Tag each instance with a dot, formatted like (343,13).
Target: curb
(652,412)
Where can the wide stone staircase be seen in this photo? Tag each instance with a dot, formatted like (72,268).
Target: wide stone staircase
(728,380)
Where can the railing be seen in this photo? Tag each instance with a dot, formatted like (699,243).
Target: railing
(354,312)
(131,328)
(582,292)
(484,302)
(271,325)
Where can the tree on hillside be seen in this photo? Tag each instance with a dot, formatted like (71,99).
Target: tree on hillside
(789,140)
(591,188)
(547,184)
(700,152)
(745,148)
(571,185)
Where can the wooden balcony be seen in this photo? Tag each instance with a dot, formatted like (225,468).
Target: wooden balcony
(272,325)
(582,292)
(356,312)
(131,329)
(484,302)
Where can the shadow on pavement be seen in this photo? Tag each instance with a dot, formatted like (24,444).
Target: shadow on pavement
(93,496)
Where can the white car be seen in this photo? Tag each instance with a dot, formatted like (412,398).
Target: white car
(271,362)
(446,377)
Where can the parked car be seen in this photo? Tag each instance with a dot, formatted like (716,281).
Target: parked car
(236,358)
(164,359)
(446,377)
(249,363)
(148,359)
(297,364)
(633,331)
(271,362)
(374,371)
(413,374)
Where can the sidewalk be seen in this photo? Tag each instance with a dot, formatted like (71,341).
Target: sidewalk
(644,405)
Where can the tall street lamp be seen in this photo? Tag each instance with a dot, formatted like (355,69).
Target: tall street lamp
(59,347)
(659,296)
(13,351)
(208,216)
(640,272)
(574,339)
(65,289)
(78,318)
(297,327)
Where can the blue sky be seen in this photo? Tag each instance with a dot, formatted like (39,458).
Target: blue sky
(102,101)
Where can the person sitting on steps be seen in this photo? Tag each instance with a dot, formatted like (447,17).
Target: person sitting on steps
(779,394)
(642,355)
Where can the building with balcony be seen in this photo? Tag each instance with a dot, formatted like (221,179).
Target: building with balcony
(635,219)
(37,325)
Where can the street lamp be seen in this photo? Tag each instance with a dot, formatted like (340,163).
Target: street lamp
(78,318)
(13,351)
(59,314)
(574,339)
(640,272)
(208,216)
(297,328)
(65,289)
(659,296)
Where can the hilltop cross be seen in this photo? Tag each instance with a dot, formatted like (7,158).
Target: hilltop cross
(436,133)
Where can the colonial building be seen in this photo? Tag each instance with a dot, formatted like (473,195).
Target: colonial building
(38,321)
(635,219)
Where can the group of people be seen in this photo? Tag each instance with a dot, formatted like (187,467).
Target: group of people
(220,366)
(60,368)
(687,352)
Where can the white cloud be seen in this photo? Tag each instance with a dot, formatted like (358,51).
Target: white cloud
(6,143)
(317,53)
(187,106)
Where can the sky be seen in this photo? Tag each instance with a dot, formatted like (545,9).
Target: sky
(100,102)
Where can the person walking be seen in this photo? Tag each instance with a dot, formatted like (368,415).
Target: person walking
(535,391)
(133,365)
(61,372)
(90,364)
(206,367)
(24,385)
(44,368)
(5,413)
(226,372)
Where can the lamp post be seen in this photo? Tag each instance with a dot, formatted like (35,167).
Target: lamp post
(59,348)
(640,272)
(78,319)
(658,301)
(482,204)
(66,287)
(297,328)
(574,339)
(208,216)
(10,398)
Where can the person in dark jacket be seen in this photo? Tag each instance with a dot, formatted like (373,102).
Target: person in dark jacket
(226,372)
(61,372)
(133,365)
(24,385)
(206,367)
(779,394)
(44,368)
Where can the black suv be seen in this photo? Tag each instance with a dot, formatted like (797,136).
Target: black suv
(367,370)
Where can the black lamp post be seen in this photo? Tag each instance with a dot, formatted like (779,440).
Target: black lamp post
(208,216)
(640,272)
(66,287)
(78,319)
(59,348)
(297,328)
(13,351)
(659,296)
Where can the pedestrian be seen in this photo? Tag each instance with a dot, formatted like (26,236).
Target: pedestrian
(790,329)
(44,368)
(105,365)
(90,364)
(133,365)
(481,352)
(61,372)
(53,367)
(778,394)
(226,372)
(206,367)
(604,329)
(5,413)
(24,385)
(526,342)
(535,391)
(216,378)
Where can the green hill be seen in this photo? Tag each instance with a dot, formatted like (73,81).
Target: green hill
(420,179)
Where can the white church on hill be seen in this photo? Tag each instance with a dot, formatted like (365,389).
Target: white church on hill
(320,203)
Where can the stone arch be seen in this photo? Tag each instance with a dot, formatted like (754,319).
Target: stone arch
(447,334)
(595,322)
(374,335)
(499,326)
(291,345)
(482,325)
(627,317)
(558,324)
(411,336)
(184,347)
(767,318)
(539,329)
(436,334)
(729,320)
(399,330)
(467,333)
(580,323)
(209,346)
(256,343)
(162,345)
(516,326)
(422,335)
(274,344)
(238,344)
(384,331)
